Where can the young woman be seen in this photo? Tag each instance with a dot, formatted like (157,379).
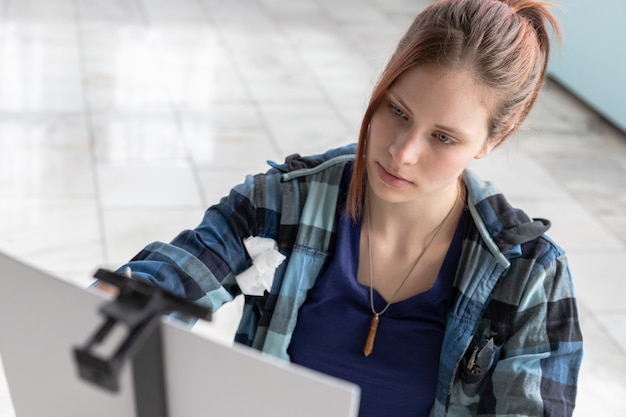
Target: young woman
(395,267)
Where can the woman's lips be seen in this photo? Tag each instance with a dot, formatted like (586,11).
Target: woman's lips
(391,179)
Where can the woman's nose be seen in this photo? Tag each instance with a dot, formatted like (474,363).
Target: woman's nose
(406,149)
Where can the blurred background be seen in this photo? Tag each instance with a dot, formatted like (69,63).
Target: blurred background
(122,120)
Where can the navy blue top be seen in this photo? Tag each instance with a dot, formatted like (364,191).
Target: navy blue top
(398,379)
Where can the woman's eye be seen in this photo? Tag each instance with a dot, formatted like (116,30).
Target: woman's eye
(396,111)
(444,139)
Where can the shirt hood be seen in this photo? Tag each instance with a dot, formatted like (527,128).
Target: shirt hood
(506,226)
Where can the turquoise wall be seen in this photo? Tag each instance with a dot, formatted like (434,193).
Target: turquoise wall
(592,62)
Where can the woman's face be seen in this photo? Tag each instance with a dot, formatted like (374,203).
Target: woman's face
(429,126)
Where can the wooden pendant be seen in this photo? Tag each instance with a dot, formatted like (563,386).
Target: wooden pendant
(371,336)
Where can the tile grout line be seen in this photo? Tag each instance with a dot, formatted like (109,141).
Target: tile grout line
(297,52)
(253,100)
(174,108)
(87,113)
(593,316)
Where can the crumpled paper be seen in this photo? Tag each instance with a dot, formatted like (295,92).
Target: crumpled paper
(265,259)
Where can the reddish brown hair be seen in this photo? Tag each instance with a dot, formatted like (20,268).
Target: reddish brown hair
(504,44)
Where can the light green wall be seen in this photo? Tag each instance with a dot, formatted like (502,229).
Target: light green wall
(592,63)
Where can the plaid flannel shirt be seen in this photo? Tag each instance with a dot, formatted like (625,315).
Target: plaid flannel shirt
(512,345)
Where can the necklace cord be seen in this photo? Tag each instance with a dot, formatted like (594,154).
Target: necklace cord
(405,279)
(368,348)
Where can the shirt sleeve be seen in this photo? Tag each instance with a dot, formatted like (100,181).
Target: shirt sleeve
(200,264)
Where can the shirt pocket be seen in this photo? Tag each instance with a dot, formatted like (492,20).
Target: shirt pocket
(478,362)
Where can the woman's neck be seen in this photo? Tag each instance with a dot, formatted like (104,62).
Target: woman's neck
(414,222)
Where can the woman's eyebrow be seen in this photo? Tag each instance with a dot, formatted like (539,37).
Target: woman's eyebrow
(406,107)
(453,131)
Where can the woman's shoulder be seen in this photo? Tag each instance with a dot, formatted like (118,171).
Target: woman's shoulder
(509,227)
(321,168)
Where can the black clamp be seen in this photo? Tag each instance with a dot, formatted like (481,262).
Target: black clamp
(138,306)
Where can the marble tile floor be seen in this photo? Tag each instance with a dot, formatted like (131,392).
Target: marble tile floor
(121,120)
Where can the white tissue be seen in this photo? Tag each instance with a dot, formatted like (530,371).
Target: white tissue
(265,259)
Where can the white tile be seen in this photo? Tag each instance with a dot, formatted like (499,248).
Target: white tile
(223,152)
(140,136)
(557,111)
(216,138)
(282,7)
(518,175)
(197,77)
(344,12)
(199,89)
(266,56)
(285,88)
(41,131)
(129,230)
(599,279)
(306,128)
(574,227)
(159,186)
(406,7)
(351,94)
(310,31)
(229,119)
(218,183)
(616,223)
(44,155)
(52,234)
(601,387)
(130,68)
(240,15)
(43,10)
(374,43)
(18,93)
(333,58)
(124,75)
(34,77)
(45,172)
(553,147)
(166,12)
(615,325)
(111,11)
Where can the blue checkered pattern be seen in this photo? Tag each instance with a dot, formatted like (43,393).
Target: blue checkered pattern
(513,345)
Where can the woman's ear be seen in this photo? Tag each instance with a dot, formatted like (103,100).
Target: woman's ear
(493,142)
(486,149)
(489,146)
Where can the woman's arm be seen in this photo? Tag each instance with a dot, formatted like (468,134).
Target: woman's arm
(201,264)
